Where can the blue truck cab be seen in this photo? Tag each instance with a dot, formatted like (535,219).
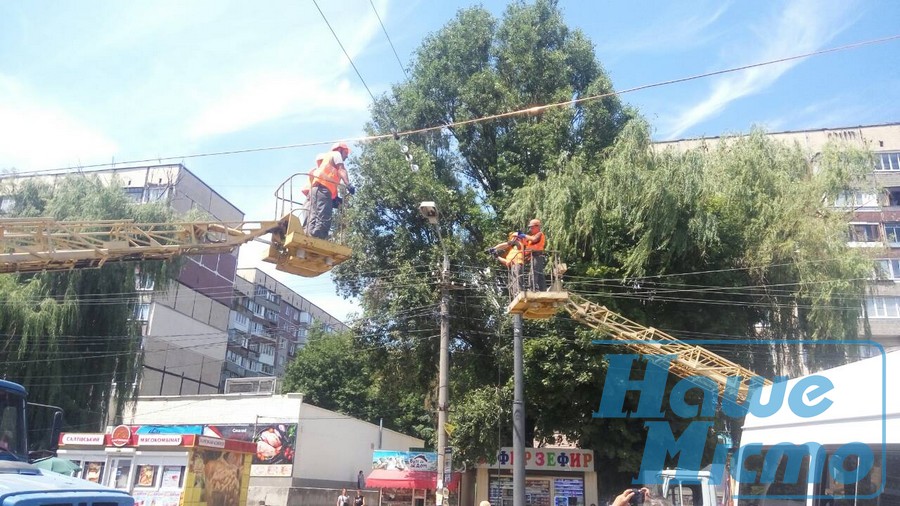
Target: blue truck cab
(22,484)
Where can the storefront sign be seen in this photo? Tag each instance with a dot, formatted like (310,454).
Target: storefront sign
(548,459)
(83,439)
(159,440)
(211,442)
(120,436)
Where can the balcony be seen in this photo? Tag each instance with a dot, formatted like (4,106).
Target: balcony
(236,337)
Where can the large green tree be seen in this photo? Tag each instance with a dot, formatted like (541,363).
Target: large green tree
(476,65)
(733,241)
(69,337)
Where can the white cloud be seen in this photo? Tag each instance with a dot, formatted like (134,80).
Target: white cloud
(668,33)
(268,97)
(322,88)
(37,134)
(804,26)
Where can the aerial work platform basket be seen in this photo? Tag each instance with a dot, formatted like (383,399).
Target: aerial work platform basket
(294,251)
(534,293)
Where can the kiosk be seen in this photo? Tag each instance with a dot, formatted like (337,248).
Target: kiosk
(164,469)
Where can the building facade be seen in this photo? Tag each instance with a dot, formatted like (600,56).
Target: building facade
(215,321)
(184,328)
(305,454)
(875,222)
(269,322)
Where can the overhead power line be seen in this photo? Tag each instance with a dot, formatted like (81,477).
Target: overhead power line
(519,112)
(388,37)
(363,81)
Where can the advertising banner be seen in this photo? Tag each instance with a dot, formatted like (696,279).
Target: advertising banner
(276,445)
(217,478)
(403,461)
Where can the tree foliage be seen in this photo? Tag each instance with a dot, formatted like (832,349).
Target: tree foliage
(69,337)
(735,240)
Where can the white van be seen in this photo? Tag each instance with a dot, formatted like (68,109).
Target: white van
(688,488)
(848,455)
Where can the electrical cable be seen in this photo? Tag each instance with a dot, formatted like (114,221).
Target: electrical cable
(388,37)
(363,81)
(518,112)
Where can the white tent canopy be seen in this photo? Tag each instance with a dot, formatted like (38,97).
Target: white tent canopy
(866,408)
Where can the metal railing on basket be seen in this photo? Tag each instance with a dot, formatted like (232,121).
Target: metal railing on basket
(291,197)
(531,273)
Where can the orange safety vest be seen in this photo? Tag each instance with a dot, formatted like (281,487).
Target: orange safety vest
(309,182)
(535,246)
(513,256)
(326,175)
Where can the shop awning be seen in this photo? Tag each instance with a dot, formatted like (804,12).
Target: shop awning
(383,478)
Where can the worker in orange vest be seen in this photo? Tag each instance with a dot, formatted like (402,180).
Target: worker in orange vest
(514,259)
(533,248)
(323,189)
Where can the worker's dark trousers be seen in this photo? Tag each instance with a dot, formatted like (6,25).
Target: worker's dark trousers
(516,279)
(538,279)
(319,209)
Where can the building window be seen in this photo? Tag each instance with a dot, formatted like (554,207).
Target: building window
(135,193)
(142,312)
(257,309)
(883,307)
(893,196)
(856,199)
(143,282)
(892,233)
(865,232)
(7,203)
(157,193)
(887,268)
(887,161)
(305,317)
(257,328)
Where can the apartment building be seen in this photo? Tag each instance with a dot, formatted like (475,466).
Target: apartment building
(184,328)
(876,214)
(269,322)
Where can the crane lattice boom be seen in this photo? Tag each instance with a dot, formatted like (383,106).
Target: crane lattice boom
(690,360)
(34,245)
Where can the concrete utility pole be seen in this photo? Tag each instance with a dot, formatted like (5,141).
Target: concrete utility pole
(444,377)
(430,212)
(518,412)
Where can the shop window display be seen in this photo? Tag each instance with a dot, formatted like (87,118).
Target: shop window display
(93,471)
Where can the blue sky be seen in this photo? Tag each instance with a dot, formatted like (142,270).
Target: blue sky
(94,81)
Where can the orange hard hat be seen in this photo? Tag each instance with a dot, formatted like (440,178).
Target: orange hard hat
(534,223)
(341,146)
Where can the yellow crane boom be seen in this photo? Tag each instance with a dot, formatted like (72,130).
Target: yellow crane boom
(690,360)
(35,245)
